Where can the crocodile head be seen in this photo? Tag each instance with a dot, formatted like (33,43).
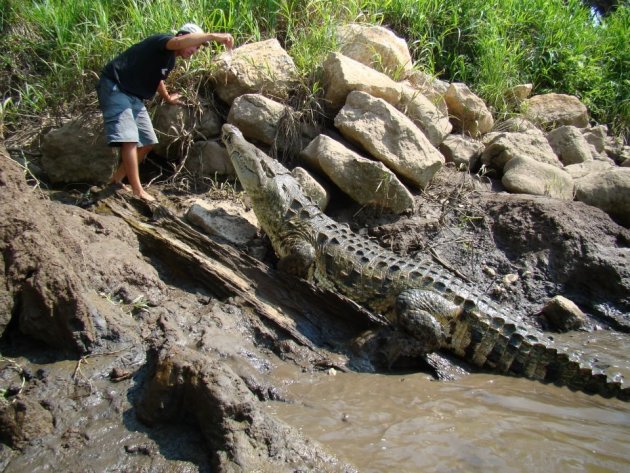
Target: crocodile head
(246,160)
(270,186)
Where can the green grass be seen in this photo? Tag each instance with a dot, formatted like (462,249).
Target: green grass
(52,50)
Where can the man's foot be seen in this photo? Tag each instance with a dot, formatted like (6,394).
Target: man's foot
(145,196)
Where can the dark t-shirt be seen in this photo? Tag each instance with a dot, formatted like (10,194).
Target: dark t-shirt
(139,69)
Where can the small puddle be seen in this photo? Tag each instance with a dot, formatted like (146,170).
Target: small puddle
(410,423)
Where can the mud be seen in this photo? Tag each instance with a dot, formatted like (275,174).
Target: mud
(115,360)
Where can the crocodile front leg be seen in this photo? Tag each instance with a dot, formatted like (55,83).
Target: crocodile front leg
(298,259)
(419,312)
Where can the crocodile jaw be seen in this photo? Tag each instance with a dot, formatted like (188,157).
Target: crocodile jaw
(268,184)
(247,164)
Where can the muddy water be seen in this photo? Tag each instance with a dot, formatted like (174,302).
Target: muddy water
(409,423)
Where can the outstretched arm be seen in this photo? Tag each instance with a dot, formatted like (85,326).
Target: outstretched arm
(197,39)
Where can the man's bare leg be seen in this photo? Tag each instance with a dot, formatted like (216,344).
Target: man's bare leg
(130,155)
(121,172)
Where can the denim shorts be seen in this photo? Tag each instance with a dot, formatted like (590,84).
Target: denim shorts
(125,116)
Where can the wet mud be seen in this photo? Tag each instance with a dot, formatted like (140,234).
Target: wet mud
(114,358)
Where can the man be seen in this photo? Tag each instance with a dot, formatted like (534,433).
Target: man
(135,75)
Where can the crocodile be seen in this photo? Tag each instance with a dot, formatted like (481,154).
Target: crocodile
(439,309)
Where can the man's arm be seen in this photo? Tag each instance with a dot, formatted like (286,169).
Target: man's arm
(197,39)
(173,99)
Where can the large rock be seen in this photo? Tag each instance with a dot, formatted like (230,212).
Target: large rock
(609,191)
(185,384)
(263,67)
(563,315)
(176,126)
(469,113)
(342,75)
(312,187)
(24,420)
(389,136)
(553,110)
(59,263)
(258,117)
(617,151)
(78,152)
(365,181)
(267,121)
(207,159)
(570,145)
(376,47)
(517,125)
(172,124)
(429,85)
(422,111)
(461,150)
(527,176)
(506,146)
(224,220)
(596,137)
(514,96)
(581,170)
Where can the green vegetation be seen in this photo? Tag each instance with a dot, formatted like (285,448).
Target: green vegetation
(52,50)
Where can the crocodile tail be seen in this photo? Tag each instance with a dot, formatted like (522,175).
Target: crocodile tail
(501,346)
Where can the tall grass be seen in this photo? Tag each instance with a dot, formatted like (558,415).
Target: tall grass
(52,50)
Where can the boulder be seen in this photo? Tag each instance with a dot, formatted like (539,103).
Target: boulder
(207,159)
(596,137)
(366,181)
(581,170)
(376,47)
(420,109)
(224,220)
(523,175)
(468,112)
(617,151)
(311,187)
(389,136)
(186,384)
(563,315)
(570,145)
(553,110)
(608,190)
(461,150)
(429,85)
(77,152)
(506,146)
(177,125)
(515,95)
(342,75)
(267,121)
(173,125)
(517,125)
(23,421)
(263,67)
(54,257)
(258,117)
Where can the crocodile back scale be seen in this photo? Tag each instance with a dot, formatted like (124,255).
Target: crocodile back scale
(437,308)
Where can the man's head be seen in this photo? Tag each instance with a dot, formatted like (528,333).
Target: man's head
(188,28)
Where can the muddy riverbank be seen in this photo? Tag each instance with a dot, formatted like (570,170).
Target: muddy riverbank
(118,356)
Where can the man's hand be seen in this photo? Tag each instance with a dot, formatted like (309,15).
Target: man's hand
(173,99)
(226,39)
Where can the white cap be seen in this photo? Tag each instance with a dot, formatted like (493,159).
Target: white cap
(189,28)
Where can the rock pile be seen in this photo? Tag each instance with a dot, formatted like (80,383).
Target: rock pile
(394,128)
